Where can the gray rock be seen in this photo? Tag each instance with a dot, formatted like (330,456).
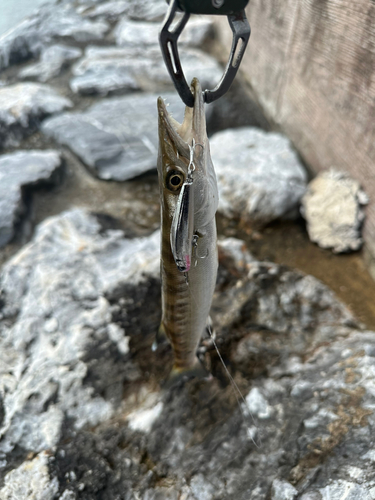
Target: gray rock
(259,176)
(134,34)
(282,490)
(52,61)
(139,10)
(113,69)
(56,328)
(23,106)
(332,207)
(108,10)
(338,490)
(49,23)
(105,71)
(142,10)
(73,295)
(30,481)
(18,171)
(117,137)
(311,495)
(279,300)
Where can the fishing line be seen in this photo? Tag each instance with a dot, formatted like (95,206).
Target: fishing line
(236,389)
(237,392)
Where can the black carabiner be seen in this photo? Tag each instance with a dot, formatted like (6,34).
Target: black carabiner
(168,42)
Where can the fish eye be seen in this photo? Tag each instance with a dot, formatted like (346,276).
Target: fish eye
(175,180)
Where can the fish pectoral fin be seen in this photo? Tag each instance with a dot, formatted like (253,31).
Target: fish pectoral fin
(182,374)
(161,338)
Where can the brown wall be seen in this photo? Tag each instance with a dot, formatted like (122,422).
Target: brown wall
(311,66)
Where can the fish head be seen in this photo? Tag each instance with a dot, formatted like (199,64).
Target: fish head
(188,188)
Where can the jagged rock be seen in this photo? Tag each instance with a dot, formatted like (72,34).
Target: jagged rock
(120,69)
(283,490)
(332,207)
(135,34)
(296,310)
(106,71)
(49,23)
(116,138)
(23,106)
(140,10)
(108,10)
(18,171)
(70,300)
(52,61)
(56,328)
(259,175)
(30,481)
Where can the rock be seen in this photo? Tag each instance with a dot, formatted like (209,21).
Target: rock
(142,10)
(52,61)
(116,138)
(332,207)
(259,176)
(345,489)
(20,171)
(49,23)
(271,470)
(75,292)
(282,490)
(108,10)
(113,69)
(30,481)
(105,71)
(23,106)
(296,310)
(135,34)
(56,329)
(139,10)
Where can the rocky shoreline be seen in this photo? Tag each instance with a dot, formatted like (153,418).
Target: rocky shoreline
(83,414)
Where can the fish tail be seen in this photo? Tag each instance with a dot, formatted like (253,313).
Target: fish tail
(178,374)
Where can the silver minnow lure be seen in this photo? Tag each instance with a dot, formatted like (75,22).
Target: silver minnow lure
(182,229)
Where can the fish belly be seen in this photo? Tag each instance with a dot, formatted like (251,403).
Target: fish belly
(186,303)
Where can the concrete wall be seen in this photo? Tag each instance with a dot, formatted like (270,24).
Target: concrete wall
(311,66)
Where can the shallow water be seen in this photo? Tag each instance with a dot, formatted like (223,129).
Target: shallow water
(288,243)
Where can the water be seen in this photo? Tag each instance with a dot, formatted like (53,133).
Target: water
(13,11)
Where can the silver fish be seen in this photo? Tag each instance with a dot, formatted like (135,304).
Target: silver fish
(189,199)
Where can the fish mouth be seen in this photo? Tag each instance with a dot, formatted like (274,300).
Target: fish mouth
(193,126)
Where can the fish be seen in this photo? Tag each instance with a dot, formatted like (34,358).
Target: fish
(189,259)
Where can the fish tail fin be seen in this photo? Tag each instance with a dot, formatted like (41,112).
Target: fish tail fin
(178,374)
(161,338)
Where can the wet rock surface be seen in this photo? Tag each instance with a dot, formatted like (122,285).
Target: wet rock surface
(84,413)
(52,60)
(259,175)
(51,22)
(19,171)
(23,106)
(333,209)
(106,70)
(117,137)
(71,264)
(305,369)
(136,34)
